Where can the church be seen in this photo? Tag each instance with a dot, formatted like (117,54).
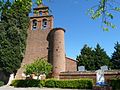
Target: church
(45,41)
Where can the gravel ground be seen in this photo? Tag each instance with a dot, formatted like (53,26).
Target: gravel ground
(12,88)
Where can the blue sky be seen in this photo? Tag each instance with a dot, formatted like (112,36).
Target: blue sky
(80,29)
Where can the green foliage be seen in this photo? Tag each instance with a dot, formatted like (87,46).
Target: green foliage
(92,59)
(117,9)
(50,83)
(4,6)
(1,83)
(115,60)
(13,33)
(27,83)
(100,57)
(53,83)
(74,84)
(115,83)
(86,58)
(38,2)
(105,9)
(40,66)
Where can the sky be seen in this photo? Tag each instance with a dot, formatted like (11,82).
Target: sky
(80,28)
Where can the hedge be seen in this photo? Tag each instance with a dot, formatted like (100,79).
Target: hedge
(115,83)
(28,83)
(1,83)
(73,83)
(53,83)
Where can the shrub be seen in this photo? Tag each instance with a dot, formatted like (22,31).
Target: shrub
(40,66)
(1,83)
(74,84)
(53,83)
(50,83)
(42,83)
(27,83)
(115,83)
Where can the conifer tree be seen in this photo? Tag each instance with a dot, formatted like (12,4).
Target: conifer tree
(93,59)
(100,57)
(86,58)
(116,57)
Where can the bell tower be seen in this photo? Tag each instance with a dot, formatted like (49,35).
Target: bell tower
(37,45)
(41,19)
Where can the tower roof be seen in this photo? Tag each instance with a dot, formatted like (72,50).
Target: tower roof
(41,6)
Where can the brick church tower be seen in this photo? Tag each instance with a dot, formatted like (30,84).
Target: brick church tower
(44,41)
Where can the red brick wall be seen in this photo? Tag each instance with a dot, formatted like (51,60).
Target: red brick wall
(58,59)
(71,65)
(88,74)
(37,43)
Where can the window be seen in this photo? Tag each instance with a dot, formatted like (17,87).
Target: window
(34,27)
(44,24)
(40,13)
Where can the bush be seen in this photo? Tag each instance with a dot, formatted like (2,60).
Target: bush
(28,83)
(40,66)
(1,83)
(74,84)
(53,83)
(115,83)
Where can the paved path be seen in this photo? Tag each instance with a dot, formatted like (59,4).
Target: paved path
(12,88)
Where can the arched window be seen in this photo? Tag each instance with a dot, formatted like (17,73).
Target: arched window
(34,26)
(40,13)
(44,24)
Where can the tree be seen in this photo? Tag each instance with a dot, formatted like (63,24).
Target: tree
(93,59)
(100,57)
(40,66)
(86,58)
(116,56)
(13,33)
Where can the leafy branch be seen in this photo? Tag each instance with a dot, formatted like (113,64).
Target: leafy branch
(105,10)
